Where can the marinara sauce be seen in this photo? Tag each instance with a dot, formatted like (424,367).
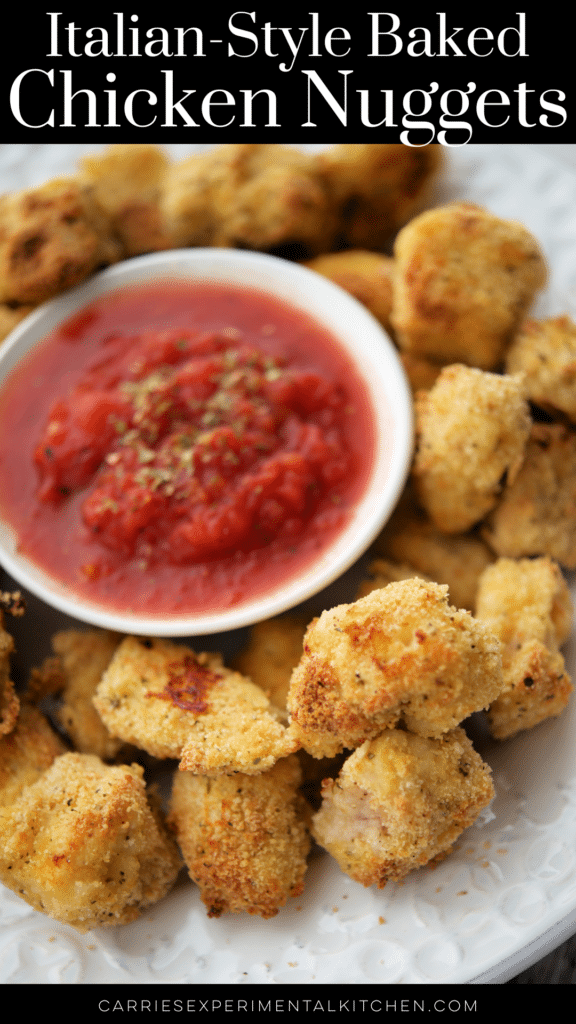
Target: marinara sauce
(176,448)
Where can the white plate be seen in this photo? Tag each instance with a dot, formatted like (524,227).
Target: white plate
(508,892)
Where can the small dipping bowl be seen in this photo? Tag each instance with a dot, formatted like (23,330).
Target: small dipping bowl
(358,333)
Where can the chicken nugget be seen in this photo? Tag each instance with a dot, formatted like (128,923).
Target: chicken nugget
(273,651)
(244,837)
(9,701)
(83,657)
(401,653)
(51,238)
(127,181)
(84,845)
(458,559)
(381,572)
(375,188)
(527,604)
(464,280)
(399,802)
(26,752)
(422,374)
(471,434)
(545,352)
(536,512)
(11,316)
(366,275)
(171,702)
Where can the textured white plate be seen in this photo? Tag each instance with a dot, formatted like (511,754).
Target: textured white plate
(508,892)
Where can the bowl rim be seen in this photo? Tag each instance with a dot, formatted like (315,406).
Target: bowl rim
(356,330)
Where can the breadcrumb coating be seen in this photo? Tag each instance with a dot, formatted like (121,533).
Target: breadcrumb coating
(375,188)
(84,656)
(83,845)
(527,604)
(9,700)
(399,802)
(51,238)
(471,434)
(536,514)
(364,274)
(26,752)
(244,837)
(127,182)
(399,654)
(545,352)
(464,280)
(171,702)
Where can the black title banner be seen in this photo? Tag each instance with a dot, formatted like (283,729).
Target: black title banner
(402,74)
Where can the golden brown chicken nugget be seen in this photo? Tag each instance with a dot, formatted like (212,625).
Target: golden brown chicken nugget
(127,181)
(458,559)
(422,374)
(545,352)
(536,514)
(244,837)
(171,702)
(9,701)
(381,572)
(464,280)
(399,802)
(84,845)
(399,654)
(273,651)
(26,752)
(471,434)
(51,238)
(527,604)
(375,188)
(84,656)
(366,275)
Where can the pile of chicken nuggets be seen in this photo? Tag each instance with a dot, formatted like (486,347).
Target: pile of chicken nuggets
(347,730)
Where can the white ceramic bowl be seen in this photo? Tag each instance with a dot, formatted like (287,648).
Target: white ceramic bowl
(358,332)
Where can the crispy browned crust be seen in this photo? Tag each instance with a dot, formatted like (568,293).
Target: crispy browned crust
(51,238)
(172,702)
(400,653)
(471,434)
(528,606)
(83,845)
(401,801)
(464,280)
(365,275)
(545,352)
(127,182)
(244,838)
(536,512)
(26,752)
(375,188)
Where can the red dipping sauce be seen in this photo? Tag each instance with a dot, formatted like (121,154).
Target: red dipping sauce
(182,448)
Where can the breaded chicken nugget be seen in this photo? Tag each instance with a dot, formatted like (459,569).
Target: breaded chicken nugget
(471,434)
(545,352)
(458,559)
(399,654)
(527,604)
(84,656)
(83,845)
(536,514)
(244,837)
(464,279)
(376,188)
(422,374)
(51,238)
(273,651)
(399,802)
(9,701)
(172,702)
(366,275)
(127,182)
(26,752)
(381,572)
(248,195)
